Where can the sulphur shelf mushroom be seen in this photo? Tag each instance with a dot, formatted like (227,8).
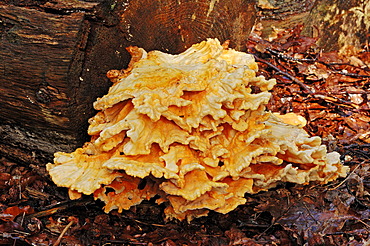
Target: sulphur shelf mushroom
(191,129)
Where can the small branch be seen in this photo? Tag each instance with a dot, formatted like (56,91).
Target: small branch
(144,223)
(355,75)
(57,242)
(329,99)
(291,77)
(363,222)
(336,100)
(275,220)
(345,180)
(285,57)
(330,66)
(60,207)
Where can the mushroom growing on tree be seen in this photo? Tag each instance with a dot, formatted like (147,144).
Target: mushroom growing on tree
(193,130)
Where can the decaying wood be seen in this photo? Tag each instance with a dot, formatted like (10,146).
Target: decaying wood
(174,25)
(55,54)
(53,64)
(283,14)
(340,25)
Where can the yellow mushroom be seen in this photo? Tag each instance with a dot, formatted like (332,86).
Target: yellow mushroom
(193,129)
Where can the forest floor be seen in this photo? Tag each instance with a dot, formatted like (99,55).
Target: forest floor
(330,90)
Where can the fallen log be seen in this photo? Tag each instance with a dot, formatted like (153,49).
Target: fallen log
(55,54)
(54,60)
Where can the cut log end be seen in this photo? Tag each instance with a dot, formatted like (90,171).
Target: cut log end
(173,26)
(55,56)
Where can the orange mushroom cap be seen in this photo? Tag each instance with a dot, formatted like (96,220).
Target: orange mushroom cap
(193,129)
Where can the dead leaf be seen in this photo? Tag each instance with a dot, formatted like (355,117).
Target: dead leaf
(10,213)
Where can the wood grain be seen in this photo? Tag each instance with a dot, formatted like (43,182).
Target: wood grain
(54,56)
(54,60)
(174,25)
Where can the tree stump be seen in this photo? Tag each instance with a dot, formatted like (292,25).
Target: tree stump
(338,25)
(55,54)
(173,25)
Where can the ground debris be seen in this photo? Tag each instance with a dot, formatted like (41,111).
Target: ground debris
(330,91)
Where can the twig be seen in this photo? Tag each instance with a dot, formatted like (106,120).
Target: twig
(37,194)
(150,224)
(274,220)
(336,100)
(365,224)
(352,74)
(291,77)
(345,180)
(144,223)
(330,64)
(59,207)
(123,242)
(285,57)
(330,99)
(57,242)
(309,212)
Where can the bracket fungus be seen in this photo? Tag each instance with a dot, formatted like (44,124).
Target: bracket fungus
(193,131)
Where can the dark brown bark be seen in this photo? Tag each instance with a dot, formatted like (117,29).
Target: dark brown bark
(283,14)
(54,58)
(55,54)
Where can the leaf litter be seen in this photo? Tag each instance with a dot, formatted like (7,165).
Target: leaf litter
(330,90)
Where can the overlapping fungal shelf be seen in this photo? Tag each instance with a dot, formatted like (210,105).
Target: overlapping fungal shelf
(192,131)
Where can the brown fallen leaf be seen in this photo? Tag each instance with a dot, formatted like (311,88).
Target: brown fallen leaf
(10,213)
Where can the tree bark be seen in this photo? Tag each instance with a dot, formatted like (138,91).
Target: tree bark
(174,25)
(54,57)
(338,25)
(55,54)
(282,14)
